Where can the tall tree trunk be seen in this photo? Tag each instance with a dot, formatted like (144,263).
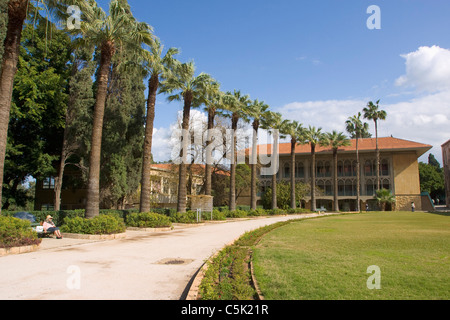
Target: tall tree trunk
(358,205)
(182,201)
(275,156)
(66,150)
(93,193)
(378,156)
(234,122)
(209,160)
(17,11)
(59,179)
(313,177)
(335,181)
(293,200)
(146,188)
(253,166)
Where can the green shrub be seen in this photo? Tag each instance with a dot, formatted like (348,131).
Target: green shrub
(188,217)
(237,214)
(102,224)
(15,232)
(258,212)
(148,220)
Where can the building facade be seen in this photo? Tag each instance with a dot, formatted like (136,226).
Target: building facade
(399,172)
(164,188)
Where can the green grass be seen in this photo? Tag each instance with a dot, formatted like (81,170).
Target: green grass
(327,258)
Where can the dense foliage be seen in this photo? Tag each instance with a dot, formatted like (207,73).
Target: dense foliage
(102,224)
(16,233)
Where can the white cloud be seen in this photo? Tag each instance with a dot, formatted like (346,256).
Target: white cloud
(427,69)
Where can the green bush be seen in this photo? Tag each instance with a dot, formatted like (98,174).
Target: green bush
(188,217)
(16,233)
(237,214)
(102,224)
(148,220)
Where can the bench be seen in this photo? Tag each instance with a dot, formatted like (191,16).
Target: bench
(321,209)
(40,231)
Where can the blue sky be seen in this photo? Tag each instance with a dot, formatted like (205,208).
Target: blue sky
(315,61)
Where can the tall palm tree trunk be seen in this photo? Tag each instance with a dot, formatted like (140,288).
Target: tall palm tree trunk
(293,200)
(335,181)
(275,156)
(378,156)
(153,84)
(358,205)
(254,155)
(208,166)
(182,179)
(313,177)
(17,11)
(234,123)
(93,194)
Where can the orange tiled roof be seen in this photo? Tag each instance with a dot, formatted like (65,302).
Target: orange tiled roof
(384,144)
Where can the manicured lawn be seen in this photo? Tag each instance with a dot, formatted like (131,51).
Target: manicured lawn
(328,258)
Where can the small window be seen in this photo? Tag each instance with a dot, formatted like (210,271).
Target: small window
(48,183)
(47,207)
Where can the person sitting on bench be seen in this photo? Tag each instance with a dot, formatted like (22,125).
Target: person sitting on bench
(50,227)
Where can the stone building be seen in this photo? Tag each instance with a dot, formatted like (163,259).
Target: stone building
(164,184)
(399,171)
(446,164)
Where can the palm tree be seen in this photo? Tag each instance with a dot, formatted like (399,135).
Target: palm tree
(117,30)
(183,85)
(372,112)
(357,129)
(258,111)
(213,101)
(157,67)
(274,123)
(17,13)
(384,196)
(314,136)
(336,140)
(294,130)
(238,105)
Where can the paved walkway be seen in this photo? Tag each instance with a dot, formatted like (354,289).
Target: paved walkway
(144,266)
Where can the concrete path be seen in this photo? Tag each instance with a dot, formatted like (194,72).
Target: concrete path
(144,266)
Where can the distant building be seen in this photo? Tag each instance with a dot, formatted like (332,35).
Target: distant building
(399,171)
(164,184)
(446,164)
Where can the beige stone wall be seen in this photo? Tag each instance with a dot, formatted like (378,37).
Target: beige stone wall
(407,182)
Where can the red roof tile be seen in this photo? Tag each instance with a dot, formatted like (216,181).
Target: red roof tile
(384,144)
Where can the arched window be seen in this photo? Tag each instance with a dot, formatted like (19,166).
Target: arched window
(369,168)
(328,188)
(287,170)
(370,187)
(384,170)
(340,169)
(299,170)
(320,169)
(347,168)
(327,169)
(341,188)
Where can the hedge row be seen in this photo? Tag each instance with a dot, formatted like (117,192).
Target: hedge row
(16,233)
(116,221)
